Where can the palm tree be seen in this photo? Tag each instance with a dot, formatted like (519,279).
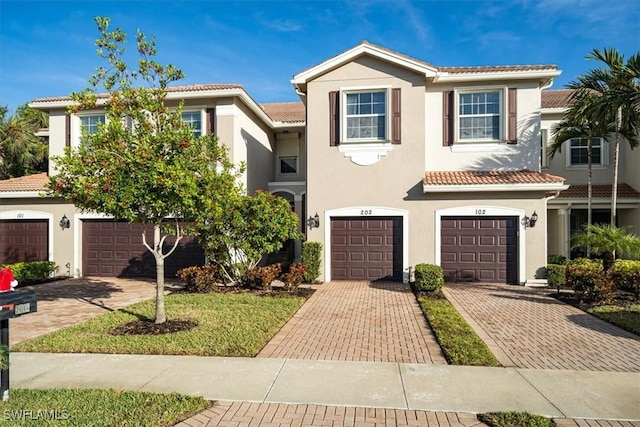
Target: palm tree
(613,94)
(21,151)
(607,241)
(574,125)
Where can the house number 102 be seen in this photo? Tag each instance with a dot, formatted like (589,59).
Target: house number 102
(481,211)
(366,212)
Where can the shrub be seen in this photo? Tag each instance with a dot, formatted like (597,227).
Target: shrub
(626,276)
(589,281)
(294,276)
(428,277)
(261,277)
(311,256)
(25,272)
(556,275)
(556,259)
(201,279)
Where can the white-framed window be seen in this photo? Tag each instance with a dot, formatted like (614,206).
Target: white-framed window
(288,164)
(480,115)
(578,152)
(85,123)
(194,120)
(90,123)
(365,115)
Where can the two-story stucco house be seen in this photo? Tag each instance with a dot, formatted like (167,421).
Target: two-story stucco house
(568,212)
(269,139)
(403,162)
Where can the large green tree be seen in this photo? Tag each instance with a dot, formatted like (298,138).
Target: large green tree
(144,164)
(21,151)
(611,95)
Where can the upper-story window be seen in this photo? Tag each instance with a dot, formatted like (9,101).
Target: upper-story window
(194,120)
(480,115)
(365,116)
(578,152)
(90,123)
(288,164)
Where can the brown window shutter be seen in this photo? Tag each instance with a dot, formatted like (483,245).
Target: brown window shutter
(67,130)
(210,125)
(513,116)
(395,116)
(334,117)
(447,123)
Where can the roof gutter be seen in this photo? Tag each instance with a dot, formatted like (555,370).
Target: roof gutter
(467,188)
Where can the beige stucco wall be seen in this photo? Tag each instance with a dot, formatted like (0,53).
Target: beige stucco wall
(394,182)
(61,242)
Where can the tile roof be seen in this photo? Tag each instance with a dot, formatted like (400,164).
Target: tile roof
(287,112)
(579,191)
(171,89)
(489,177)
(556,98)
(466,70)
(35,182)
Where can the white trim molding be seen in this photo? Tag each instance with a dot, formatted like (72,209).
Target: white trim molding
(366,212)
(488,211)
(20,214)
(457,188)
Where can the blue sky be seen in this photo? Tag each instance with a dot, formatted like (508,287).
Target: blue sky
(47,46)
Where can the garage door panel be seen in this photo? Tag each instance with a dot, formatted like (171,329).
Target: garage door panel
(373,248)
(482,249)
(24,240)
(115,249)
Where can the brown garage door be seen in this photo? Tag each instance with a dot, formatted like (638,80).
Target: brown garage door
(480,249)
(24,240)
(366,248)
(115,249)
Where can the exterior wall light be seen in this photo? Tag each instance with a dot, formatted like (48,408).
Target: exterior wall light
(313,221)
(64,222)
(531,221)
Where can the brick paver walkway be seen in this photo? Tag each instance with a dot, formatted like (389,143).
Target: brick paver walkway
(66,302)
(233,414)
(359,321)
(526,328)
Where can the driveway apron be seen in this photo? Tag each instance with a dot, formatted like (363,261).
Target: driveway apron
(526,328)
(358,321)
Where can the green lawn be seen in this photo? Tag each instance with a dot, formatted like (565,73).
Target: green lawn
(229,324)
(626,317)
(459,342)
(79,407)
(515,419)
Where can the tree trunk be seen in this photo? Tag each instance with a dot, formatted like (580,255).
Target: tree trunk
(157,249)
(616,153)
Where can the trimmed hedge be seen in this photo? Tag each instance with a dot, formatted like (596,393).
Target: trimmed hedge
(556,259)
(311,258)
(294,276)
(626,275)
(201,279)
(26,272)
(589,281)
(261,277)
(428,277)
(556,275)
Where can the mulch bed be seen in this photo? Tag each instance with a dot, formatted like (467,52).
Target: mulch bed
(148,327)
(621,299)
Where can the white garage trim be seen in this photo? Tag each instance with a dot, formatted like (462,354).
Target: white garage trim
(365,212)
(480,211)
(23,214)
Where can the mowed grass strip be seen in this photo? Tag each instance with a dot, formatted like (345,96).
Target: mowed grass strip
(89,407)
(625,317)
(459,342)
(515,419)
(228,325)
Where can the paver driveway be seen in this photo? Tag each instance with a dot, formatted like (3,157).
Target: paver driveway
(526,328)
(361,321)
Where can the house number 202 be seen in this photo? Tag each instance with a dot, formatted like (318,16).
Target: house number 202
(366,212)
(481,211)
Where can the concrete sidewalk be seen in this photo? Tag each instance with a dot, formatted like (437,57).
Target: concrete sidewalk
(557,393)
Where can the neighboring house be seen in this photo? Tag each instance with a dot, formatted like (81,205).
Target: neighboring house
(568,212)
(269,139)
(403,162)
